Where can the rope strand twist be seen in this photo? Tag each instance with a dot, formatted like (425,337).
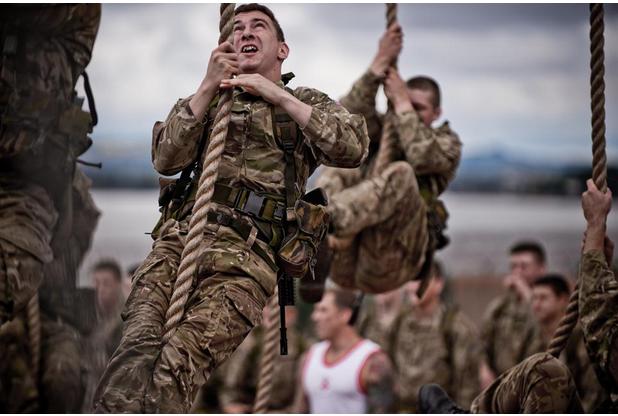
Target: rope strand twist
(268,357)
(599,160)
(206,186)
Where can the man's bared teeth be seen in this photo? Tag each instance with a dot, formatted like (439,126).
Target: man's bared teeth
(249,48)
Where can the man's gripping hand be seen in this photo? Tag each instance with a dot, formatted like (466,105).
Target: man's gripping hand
(389,48)
(596,206)
(258,85)
(223,64)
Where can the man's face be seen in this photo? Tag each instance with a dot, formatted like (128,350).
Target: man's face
(422,101)
(526,266)
(255,41)
(107,287)
(546,305)
(328,319)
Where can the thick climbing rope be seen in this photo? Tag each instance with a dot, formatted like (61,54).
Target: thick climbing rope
(268,357)
(388,142)
(34,333)
(206,186)
(599,161)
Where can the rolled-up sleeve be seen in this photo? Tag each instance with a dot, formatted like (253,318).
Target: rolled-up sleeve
(336,137)
(175,141)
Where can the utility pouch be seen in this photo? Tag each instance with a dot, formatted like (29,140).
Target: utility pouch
(436,220)
(305,233)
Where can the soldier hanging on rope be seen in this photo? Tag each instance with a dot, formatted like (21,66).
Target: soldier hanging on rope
(386,221)
(276,138)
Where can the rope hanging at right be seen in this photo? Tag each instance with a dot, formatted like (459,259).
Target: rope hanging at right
(388,142)
(206,187)
(599,161)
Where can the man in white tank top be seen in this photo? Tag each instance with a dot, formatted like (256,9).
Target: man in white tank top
(343,373)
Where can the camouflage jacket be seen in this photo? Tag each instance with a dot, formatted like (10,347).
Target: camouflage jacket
(241,378)
(440,349)
(509,333)
(43,130)
(433,153)
(598,313)
(252,157)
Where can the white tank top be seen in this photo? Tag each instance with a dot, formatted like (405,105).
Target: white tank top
(336,387)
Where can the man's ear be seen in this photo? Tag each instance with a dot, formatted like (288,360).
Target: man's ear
(283,52)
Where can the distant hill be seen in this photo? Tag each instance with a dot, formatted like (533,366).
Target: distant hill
(128,165)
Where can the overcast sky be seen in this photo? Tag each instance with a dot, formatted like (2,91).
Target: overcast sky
(512,76)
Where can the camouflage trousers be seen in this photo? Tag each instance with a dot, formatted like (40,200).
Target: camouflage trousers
(20,276)
(387,218)
(539,384)
(59,385)
(227,298)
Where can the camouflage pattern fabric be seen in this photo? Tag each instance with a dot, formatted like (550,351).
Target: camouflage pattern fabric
(18,384)
(233,282)
(540,384)
(45,49)
(509,333)
(386,215)
(598,313)
(370,327)
(441,349)
(241,378)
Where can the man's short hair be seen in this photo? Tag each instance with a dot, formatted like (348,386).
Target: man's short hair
(347,299)
(529,247)
(556,282)
(109,265)
(255,7)
(426,83)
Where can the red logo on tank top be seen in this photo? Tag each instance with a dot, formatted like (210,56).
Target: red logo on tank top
(324,385)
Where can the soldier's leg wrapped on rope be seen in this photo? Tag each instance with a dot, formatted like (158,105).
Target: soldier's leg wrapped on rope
(228,295)
(539,384)
(388,217)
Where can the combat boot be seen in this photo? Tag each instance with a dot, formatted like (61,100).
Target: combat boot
(433,399)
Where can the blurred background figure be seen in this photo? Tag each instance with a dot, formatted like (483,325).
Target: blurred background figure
(377,314)
(550,298)
(509,330)
(433,342)
(107,278)
(242,370)
(343,373)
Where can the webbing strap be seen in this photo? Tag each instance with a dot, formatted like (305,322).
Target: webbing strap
(286,131)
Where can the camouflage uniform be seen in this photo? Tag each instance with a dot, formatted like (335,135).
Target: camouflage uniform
(387,214)
(233,282)
(575,357)
(242,374)
(598,314)
(539,384)
(45,49)
(48,216)
(438,349)
(509,333)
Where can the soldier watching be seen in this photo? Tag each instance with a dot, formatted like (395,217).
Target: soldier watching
(509,331)
(433,342)
(237,270)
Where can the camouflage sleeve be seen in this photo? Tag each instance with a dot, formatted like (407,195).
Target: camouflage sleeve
(428,150)
(598,311)
(334,180)
(336,137)
(362,100)
(73,27)
(175,141)
(488,331)
(466,360)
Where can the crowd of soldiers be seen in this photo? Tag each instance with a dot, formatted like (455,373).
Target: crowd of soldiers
(68,349)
